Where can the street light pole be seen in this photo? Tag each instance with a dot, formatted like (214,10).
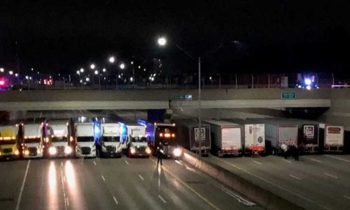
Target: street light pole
(199,107)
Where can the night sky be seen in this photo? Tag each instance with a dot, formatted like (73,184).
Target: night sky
(231,36)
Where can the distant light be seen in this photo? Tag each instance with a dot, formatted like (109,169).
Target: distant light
(307,81)
(132,62)
(210,77)
(139,67)
(2,69)
(32,69)
(11,72)
(308,87)
(81,81)
(162,41)
(78,72)
(144,69)
(111,59)
(104,69)
(131,79)
(119,76)
(96,72)
(30,78)
(92,66)
(2,82)
(38,73)
(122,66)
(87,79)
(16,75)
(27,77)
(82,70)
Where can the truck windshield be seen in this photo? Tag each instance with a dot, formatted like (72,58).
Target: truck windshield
(32,140)
(7,142)
(59,139)
(85,139)
(110,138)
(138,139)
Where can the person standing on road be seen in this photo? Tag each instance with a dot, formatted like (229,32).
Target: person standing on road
(160,152)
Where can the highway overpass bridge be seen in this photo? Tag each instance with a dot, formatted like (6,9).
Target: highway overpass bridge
(163,99)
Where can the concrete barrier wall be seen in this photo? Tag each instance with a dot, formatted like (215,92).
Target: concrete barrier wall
(266,199)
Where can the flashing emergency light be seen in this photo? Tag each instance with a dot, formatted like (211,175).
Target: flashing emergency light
(307,81)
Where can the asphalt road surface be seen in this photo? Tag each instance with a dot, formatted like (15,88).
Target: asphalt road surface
(121,183)
(314,182)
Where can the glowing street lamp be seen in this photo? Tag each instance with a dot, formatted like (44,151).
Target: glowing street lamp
(162,41)
(96,72)
(111,59)
(82,70)
(92,66)
(2,70)
(122,66)
(11,72)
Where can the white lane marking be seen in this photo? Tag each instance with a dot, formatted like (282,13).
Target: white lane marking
(190,169)
(103,178)
(330,175)
(285,160)
(271,183)
(141,177)
(126,162)
(94,162)
(257,162)
(178,162)
(237,197)
(22,187)
(338,158)
(188,187)
(295,177)
(315,160)
(347,197)
(115,200)
(161,198)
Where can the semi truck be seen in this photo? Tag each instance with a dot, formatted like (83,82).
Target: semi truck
(165,133)
(226,138)
(60,140)
(110,142)
(86,135)
(333,137)
(253,136)
(9,142)
(192,138)
(33,140)
(137,141)
(280,132)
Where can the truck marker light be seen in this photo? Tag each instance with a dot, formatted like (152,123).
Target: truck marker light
(173,135)
(167,135)
(161,135)
(52,151)
(16,152)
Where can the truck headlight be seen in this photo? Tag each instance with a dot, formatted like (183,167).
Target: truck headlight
(52,151)
(148,151)
(132,150)
(26,152)
(68,150)
(177,152)
(16,152)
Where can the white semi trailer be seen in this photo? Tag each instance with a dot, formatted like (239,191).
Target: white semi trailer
(85,139)
(137,141)
(60,139)
(110,142)
(33,140)
(226,137)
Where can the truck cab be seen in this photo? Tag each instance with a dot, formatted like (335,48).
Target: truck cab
(33,140)
(110,142)
(137,141)
(85,139)
(60,139)
(9,147)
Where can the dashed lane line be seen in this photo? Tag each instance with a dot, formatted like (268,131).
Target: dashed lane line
(162,199)
(22,186)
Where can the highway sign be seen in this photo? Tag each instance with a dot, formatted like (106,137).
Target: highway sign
(287,95)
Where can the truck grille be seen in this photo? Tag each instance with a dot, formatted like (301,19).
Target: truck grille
(110,148)
(60,149)
(85,150)
(7,150)
(141,149)
(32,150)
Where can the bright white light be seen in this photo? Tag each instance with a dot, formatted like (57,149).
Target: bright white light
(2,69)
(52,151)
(307,81)
(16,75)
(32,69)
(27,77)
(111,59)
(92,66)
(122,66)
(162,41)
(87,79)
(104,70)
(68,150)
(177,152)
(82,70)
(131,79)
(132,62)
(308,87)
(144,69)
(11,72)
(139,67)
(210,78)
(30,78)
(96,72)
(81,81)
(78,72)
